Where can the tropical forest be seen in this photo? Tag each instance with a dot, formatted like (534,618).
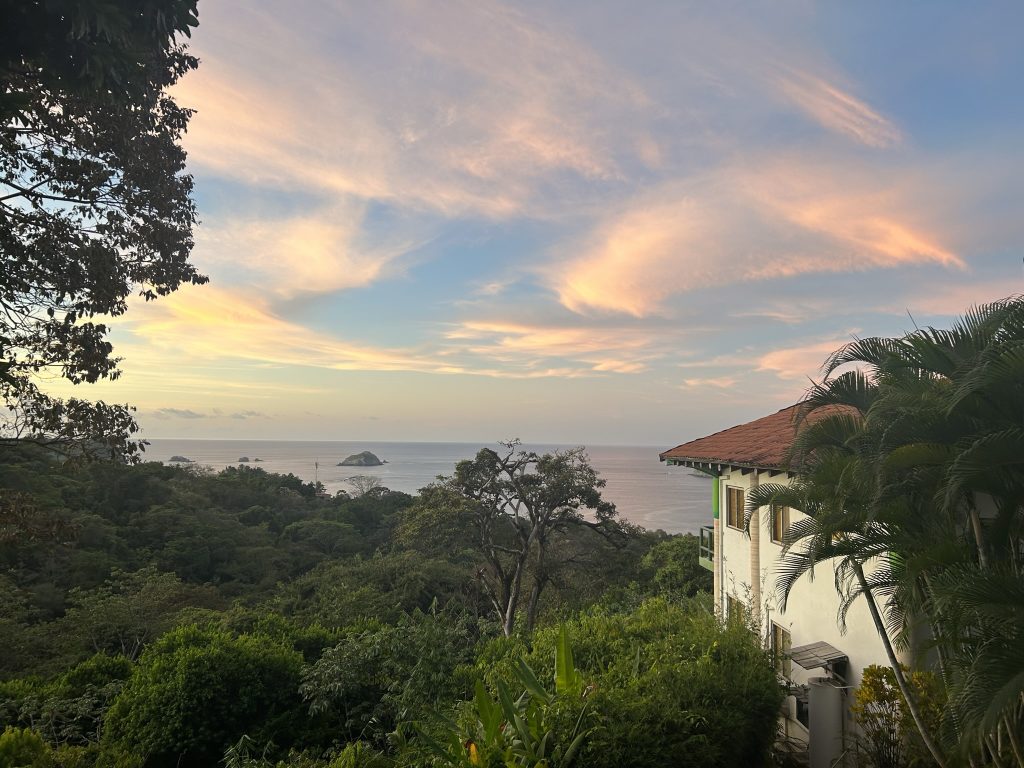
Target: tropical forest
(506,614)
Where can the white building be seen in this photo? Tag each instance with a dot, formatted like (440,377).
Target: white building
(822,663)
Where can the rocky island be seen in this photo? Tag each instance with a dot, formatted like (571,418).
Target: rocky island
(180,459)
(364,459)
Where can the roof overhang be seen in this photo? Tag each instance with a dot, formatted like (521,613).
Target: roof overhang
(717,467)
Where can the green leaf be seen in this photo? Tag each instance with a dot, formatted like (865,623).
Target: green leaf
(528,678)
(567,678)
(574,747)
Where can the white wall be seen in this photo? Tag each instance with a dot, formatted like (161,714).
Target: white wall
(812,609)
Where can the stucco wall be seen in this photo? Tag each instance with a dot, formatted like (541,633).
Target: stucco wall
(812,609)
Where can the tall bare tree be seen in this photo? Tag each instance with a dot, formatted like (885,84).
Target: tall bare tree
(518,502)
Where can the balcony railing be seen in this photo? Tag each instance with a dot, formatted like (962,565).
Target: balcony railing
(706,547)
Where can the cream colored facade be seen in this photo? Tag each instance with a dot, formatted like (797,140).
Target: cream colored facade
(745,569)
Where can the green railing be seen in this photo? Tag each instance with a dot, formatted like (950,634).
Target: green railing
(706,547)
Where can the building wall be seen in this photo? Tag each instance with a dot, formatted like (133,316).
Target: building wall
(812,610)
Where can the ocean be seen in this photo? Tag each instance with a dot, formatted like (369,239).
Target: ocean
(645,491)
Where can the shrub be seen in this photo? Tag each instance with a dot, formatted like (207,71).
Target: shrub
(68,711)
(21,748)
(375,677)
(529,730)
(671,686)
(674,568)
(197,691)
(888,737)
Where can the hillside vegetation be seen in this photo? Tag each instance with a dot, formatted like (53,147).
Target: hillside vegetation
(169,616)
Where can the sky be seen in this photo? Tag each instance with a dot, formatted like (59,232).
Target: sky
(574,222)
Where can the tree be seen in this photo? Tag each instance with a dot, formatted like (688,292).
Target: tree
(196,691)
(129,611)
(379,675)
(848,524)
(365,484)
(94,202)
(950,404)
(518,503)
(677,572)
(925,480)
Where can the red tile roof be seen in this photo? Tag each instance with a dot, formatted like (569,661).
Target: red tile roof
(763,443)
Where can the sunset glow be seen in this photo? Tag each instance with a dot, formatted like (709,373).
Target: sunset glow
(584,222)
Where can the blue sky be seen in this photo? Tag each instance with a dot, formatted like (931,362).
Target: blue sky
(583,222)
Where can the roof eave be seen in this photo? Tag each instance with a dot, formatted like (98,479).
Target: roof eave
(717,465)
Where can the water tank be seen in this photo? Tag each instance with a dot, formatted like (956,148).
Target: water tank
(825,705)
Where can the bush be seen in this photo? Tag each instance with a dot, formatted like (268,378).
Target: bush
(375,677)
(888,735)
(196,691)
(545,725)
(23,748)
(68,711)
(671,686)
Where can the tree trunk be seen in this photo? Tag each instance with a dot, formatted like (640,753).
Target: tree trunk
(516,587)
(1015,745)
(897,669)
(509,619)
(539,582)
(979,537)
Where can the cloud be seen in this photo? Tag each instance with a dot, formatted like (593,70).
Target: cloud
(803,361)
(243,415)
(781,217)
(320,252)
(177,413)
(717,382)
(836,109)
(466,107)
(210,323)
(871,218)
(208,327)
(950,299)
(586,349)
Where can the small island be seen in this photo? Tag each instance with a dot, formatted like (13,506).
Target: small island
(243,459)
(364,459)
(181,459)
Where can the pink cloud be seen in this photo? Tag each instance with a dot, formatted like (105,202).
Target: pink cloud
(779,218)
(836,109)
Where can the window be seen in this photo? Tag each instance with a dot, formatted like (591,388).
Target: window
(780,523)
(734,507)
(781,643)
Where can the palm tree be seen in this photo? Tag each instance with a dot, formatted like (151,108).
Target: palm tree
(850,522)
(918,462)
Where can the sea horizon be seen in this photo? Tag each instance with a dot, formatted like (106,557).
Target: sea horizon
(645,491)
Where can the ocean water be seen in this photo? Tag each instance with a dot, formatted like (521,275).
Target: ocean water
(644,490)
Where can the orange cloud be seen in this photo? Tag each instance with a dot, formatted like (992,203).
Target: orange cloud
(215,324)
(873,222)
(738,224)
(802,361)
(639,259)
(717,382)
(615,350)
(952,299)
(319,252)
(209,329)
(836,109)
(463,95)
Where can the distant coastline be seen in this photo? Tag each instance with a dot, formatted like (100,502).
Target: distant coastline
(645,491)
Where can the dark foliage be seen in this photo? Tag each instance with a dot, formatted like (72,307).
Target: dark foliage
(94,201)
